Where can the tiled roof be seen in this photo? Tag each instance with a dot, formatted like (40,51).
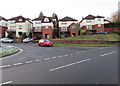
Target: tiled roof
(67,19)
(39,18)
(91,17)
(2,18)
(107,20)
(20,17)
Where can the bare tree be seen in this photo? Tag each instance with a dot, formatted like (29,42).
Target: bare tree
(115,16)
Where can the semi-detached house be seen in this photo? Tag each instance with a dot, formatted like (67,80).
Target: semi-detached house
(43,27)
(93,23)
(19,25)
(65,27)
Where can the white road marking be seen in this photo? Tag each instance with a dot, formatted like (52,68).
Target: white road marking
(5,66)
(108,53)
(65,55)
(77,52)
(53,57)
(38,60)
(60,56)
(46,58)
(68,65)
(28,62)
(18,64)
(8,82)
(71,54)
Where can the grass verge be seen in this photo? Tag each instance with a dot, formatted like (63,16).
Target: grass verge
(87,45)
(8,51)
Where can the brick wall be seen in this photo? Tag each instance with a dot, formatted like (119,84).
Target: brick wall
(48,31)
(84,42)
(2,31)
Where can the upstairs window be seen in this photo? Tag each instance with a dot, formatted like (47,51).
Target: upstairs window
(46,27)
(64,28)
(64,22)
(37,22)
(99,25)
(12,21)
(89,21)
(99,19)
(46,20)
(12,27)
(89,27)
(20,19)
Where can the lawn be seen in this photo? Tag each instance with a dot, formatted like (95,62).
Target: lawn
(103,37)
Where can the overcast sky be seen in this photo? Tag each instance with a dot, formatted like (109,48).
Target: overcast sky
(72,8)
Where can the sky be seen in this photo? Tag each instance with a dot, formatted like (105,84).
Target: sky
(72,8)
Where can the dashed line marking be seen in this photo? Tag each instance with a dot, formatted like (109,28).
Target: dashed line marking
(57,68)
(28,62)
(5,66)
(60,56)
(38,60)
(108,53)
(8,82)
(54,57)
(46,58)
(77,52)
(65,55)
(18,64)
(71,54)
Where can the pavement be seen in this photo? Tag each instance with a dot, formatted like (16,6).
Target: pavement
(61,65)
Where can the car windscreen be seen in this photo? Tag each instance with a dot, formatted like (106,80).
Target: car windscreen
(46,41)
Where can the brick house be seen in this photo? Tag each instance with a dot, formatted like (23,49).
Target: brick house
(65,27)
(19,25)
(93,23)
(43,27)
(3,26)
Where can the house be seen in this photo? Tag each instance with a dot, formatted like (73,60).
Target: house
(3,26)
(92,23)
(19,25)
(43,27)
(65,25)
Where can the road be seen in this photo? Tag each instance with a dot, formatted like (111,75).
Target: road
(61,65)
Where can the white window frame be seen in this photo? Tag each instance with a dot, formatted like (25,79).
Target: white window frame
(46,20)
(89,27)
(63,22)
(99,25)
(64,28)
(46,27)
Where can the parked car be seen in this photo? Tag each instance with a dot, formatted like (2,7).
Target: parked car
(6,40)
(45,42)
(26,40)
(101,32)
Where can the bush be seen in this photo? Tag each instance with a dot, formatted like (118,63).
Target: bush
(11,35)
(116,32)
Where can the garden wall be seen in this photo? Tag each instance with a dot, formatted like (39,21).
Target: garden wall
(84,42)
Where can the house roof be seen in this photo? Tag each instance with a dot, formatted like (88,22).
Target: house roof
(39,18)
(2,18)
(20,17)
(107,20)
(91,17)
(67,19)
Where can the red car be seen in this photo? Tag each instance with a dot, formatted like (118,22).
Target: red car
(45,42)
